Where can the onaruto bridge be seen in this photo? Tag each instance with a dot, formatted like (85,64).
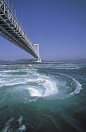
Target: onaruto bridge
(11,28)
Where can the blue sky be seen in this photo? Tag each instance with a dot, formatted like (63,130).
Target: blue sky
(59,26)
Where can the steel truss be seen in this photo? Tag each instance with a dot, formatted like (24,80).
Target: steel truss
(11,28)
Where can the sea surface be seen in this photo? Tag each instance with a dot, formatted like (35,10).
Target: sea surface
(43,97)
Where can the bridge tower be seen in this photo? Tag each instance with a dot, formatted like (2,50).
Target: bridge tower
(36,46)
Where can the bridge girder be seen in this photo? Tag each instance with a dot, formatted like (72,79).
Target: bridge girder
(12,29)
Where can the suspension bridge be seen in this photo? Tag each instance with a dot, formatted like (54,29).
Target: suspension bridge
(11,29)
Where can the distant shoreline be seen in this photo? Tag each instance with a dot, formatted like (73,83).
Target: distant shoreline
(30,61)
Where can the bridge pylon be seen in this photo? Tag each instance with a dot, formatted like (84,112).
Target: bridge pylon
(36,46)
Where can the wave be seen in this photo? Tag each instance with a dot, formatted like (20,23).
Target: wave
(46,88)
(41,85)
(52,88)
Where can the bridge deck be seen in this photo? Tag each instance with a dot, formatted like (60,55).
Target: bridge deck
(11,29)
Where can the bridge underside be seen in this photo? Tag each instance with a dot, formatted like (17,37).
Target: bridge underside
(13,31)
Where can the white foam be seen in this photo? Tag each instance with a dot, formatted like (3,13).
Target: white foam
(12,84)
(22,128)
(20,120)
(13,81)
(77,90)
(7,71)
(46,87)
(50,88)
(34,92)
(30,65)
(7,126)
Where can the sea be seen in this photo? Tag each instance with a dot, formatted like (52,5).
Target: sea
(45,97)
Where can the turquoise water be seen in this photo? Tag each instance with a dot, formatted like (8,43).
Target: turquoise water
(43,97)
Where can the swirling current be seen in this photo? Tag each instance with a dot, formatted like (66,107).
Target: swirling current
(43,97)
